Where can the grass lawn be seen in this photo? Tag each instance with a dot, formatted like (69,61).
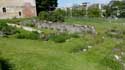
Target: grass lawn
(37,55)
(100,24)
(23,54)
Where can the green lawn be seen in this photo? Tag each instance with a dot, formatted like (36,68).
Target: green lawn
(25,54)
(37,55)
(100,23)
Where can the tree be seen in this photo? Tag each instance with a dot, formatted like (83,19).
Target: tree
(61,12)
(45,5)
(116,8)
(78,11)
(107,11)
(54,16)
(94,11)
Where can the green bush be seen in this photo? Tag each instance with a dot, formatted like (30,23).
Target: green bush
(94,11)
(13,20)
(59,38)
(7,30)
(57,16)
(74,35)
(3,25)
(43,15)
(27,35)
(30,25)
(3,21)
(54,16)
(108,61)
(78,12)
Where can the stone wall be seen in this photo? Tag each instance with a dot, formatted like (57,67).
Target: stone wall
(62,27)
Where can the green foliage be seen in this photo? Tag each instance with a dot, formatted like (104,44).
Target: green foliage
(93,12)
(107,11)
(13,20)
(27,35)
(45,5)
(60,12)
(3,26)
(43,15)
(55,16)
(30,25)
(62,37)
(74,35)
(78,11)
(16,20)
(114,7)
(7,30)
(59,38)
(3,21)
(108,61)
(28,54)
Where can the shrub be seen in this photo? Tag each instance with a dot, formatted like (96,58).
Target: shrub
(74,35)
(30,25)
(2,26)
(7,30)
(3,21)
(59,38)
(111,63)
(54,16)
(27,35)
(93,12)
(43,15)
(16,20)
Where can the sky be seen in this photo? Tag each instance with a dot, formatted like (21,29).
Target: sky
(69,3)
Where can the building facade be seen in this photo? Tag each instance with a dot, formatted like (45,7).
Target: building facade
(17,9)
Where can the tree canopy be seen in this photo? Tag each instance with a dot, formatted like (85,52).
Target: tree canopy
(45,5)
(116,7)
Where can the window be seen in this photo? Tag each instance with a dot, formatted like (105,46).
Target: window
(4,10)
(20,14)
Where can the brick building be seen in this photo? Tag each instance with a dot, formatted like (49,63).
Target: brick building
(17,8)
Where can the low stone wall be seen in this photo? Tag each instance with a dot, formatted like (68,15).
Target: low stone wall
(61,27)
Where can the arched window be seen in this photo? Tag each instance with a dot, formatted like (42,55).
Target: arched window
(4,10)
(20,13)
